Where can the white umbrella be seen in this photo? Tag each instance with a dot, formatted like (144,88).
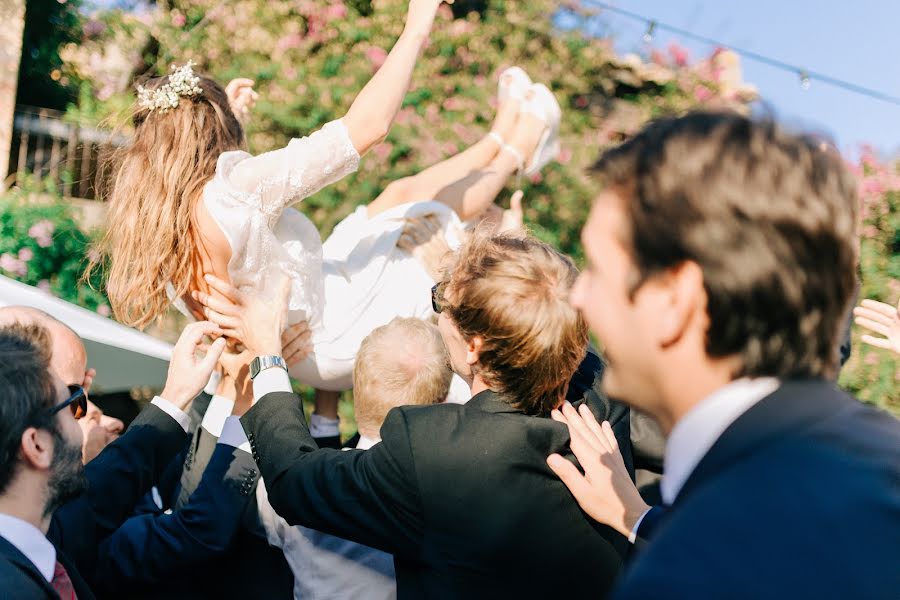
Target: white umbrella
(123,357)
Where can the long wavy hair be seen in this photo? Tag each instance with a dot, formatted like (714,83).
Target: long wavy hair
(151,239)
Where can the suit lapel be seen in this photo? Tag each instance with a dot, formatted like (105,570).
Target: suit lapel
(13,555)
(792,406)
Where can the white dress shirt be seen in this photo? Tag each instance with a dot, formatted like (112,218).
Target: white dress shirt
(30,541)
(698,430)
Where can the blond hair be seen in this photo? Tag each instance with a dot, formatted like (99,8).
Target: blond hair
(512,290)
(398,364)
(151,238)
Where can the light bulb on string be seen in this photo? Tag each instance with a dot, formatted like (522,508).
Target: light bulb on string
(648,35)
(804,79)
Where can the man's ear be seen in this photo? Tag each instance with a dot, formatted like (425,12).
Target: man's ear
(37,448)
(473,349)
(680,295)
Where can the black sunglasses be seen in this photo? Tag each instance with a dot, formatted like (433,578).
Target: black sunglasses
(437,304)
(77,402)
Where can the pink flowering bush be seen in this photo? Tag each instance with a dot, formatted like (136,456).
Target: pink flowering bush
(42,245)
(874,374)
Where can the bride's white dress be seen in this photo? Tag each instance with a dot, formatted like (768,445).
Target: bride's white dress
(357,281)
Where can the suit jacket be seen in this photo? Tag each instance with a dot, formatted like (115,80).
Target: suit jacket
(799,497)
(117,479)
(211,545)
(460,494)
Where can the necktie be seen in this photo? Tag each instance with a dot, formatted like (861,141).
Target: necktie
(62,584)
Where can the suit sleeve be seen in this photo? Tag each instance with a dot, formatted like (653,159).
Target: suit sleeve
(148,549)
(370,497)
(117,479)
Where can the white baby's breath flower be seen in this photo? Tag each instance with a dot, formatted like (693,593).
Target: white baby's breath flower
(182,83)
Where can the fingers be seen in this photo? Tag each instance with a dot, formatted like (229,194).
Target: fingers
(193,335)
(226,289)
(556,415)
(873,325)
(571,477)
(222,306)
(877,342)
(577,425)
(880,307)
(876,315)
(209,361)
(594,427)
(610,436)
(515,202)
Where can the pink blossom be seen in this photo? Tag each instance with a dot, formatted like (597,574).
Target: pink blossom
(42,233)
(335,11)
(871,186)
(658,57)
(291,40)
(13,265)
(26,254)
(178,19)
(43,285)
(679,54)
(103,310)
(376,56)
(702,93)
(536,178)
(871,358)
(565,155)
(452,104)
(581,102)
(383,151)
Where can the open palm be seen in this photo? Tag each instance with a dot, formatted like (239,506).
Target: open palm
(881,318)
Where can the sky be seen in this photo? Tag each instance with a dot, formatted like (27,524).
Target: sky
(855,41)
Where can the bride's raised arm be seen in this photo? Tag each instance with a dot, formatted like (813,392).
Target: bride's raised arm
(373,111)
(279,178)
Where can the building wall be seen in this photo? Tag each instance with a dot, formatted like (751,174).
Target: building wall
(12,15)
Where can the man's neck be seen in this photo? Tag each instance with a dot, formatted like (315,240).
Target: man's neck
(22,506)
(692,386)
(478,385)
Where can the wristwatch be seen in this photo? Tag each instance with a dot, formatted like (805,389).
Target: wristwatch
(261,363)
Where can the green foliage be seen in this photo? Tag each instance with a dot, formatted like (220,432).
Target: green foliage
(49,24)
(311,57)
(42,245)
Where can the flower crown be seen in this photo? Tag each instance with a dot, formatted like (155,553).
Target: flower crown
(182,84)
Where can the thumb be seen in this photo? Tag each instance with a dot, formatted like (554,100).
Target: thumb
(515,203)
(212,356)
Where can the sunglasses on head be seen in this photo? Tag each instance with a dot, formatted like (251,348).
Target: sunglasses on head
(77,402)
(437,302)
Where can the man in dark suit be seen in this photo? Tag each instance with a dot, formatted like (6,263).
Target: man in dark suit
(723,254)
(53,511)
(460,494)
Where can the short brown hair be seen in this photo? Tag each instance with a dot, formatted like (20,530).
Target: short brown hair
(399,364)
(512,291)
(770,218)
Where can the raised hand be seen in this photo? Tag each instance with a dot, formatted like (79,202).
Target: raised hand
(605,491)
(423,237)
(514,217)
(256,321)
(881,318)
(241,97)
(421,13)
(296,343)
(189,374)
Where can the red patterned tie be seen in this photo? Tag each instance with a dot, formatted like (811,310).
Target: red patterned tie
(62,584)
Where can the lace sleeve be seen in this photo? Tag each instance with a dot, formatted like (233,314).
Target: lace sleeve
(282,177)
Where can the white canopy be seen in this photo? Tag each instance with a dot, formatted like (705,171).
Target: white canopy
(123,357)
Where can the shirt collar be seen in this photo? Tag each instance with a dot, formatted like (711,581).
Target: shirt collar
(696,432)
(29,540)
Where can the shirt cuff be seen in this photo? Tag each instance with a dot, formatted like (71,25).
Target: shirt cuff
(273,379)
(320,427)
(173,411)
(632,537)
(213,384)
(233,434)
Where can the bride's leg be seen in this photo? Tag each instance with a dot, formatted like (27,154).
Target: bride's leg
(473,194)
(426,184)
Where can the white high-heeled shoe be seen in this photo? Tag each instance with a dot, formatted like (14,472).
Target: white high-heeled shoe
(542,104)
(514,83)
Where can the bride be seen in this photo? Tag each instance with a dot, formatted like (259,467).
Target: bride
(186,201)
